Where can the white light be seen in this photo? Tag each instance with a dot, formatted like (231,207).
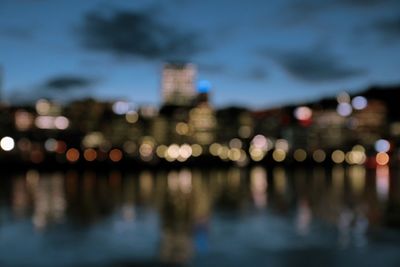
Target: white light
(61,122)
(260,141)
(359,102)
(50,144)
(344,109)
(303,113)
(7,143)
(120,107)
(44,122)
(382,145)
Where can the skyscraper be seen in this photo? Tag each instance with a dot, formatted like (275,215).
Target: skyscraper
(177,85)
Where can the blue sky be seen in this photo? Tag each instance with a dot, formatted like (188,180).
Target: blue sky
(255,53)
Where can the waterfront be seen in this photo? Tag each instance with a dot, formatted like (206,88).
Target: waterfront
(336,216)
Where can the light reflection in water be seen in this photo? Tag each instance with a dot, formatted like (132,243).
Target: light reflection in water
(382,182)
(188,201)
(258,185)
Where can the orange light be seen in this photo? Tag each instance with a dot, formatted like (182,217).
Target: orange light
(90,154)
(382,158)
(115,155)
(72,154)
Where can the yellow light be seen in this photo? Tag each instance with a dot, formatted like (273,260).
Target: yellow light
(214,148)
(279,155)
(234,154)
(300,155)
(338,156)
(196,150)
(256,154)
(223,152)
(319,155)
(357,179)
(131,116)
(161,151)
(42,107)
(357,157)
(182,128)
(359,148)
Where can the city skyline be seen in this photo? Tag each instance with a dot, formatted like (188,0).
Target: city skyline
(277,52)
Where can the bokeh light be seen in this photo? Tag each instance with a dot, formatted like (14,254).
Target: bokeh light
(7,143)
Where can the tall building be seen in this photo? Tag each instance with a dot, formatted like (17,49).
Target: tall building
(177,86)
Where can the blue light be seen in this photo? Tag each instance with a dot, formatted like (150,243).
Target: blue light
(203,86)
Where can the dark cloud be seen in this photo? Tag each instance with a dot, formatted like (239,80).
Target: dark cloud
(257,73)
(65,83)
(368,3)
(304,10)
(214,68)
(388,28)
(361,2)
(135,33)
(315,66)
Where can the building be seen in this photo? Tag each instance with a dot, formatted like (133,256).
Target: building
(177,85)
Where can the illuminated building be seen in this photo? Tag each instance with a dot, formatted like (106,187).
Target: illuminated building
(177,86)
(370,123)
(329,130)
(202,120)
(202,124)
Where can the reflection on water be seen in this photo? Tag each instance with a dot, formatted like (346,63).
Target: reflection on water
(195,216)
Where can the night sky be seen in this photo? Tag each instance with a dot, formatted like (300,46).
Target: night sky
(255,53)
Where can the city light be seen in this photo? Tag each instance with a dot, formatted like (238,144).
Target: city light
(115,155)
(200,133)
(7,143)
(382,158)
(344,109)
(338,156)
(90,154)
(300,155)
(382,145)
(120,107)
(359,102)
(319,155)
(303,113)
(279,155)
(72,155)
(131,116)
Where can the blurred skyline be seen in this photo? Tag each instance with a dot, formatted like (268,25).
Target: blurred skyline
(258,55)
